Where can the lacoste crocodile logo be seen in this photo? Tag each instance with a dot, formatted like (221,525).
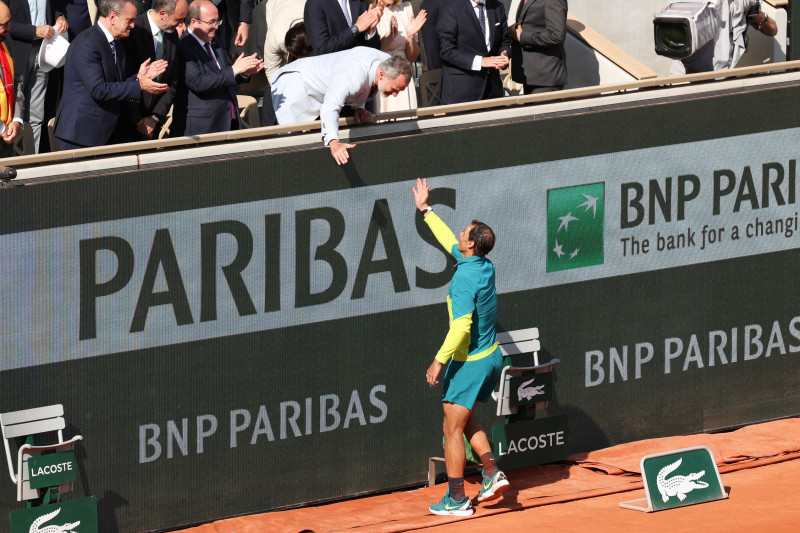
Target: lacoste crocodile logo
(526,393)
(66,528)
(678,485)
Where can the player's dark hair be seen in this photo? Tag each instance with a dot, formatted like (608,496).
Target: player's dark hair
(483,237)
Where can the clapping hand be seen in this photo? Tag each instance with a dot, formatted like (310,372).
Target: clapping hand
(148,71)
(416,23)
(247,65)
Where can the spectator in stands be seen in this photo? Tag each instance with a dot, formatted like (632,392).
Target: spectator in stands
(12,98)
(205,100)
(281,15)
(472,54)
(94,82)
(236,16)
(538,59)
(297,46)
(430,39)
(153,37)
(398,29)
(332,27)
(33,21)
(79,14)
(320,86)
(729,46)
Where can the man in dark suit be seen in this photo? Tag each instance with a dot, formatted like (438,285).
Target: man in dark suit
(430,39)
(332,29)
(538,59)
(205,101)
(237,15)
(26,39)
(94,83)
(474,45)
(153,37)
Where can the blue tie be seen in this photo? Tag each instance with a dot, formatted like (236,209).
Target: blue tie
(116,59)
(482,18)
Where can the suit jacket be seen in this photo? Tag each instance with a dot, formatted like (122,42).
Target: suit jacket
(327,28)
(77,13)
(539,58)
(204,94)
(430,38)
(94,90)
(23,31)
(139,47)
(461,39)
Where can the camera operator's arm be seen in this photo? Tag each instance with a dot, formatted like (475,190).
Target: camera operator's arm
(765,24)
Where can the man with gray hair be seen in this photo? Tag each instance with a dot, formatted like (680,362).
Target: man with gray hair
(95,86)
(320,86)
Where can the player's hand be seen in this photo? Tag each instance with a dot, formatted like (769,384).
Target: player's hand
(421,192)
(432,375)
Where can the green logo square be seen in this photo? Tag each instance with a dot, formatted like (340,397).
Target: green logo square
(575,226)
(73,516)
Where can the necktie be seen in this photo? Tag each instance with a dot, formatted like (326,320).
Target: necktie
(346,11)
(482,18)
(159,45)
(211,53)
(214,59)
(116,59)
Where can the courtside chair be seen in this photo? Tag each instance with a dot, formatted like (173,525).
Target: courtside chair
(27,423)
(518,343)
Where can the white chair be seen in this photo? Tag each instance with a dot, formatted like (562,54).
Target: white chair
(521,341)
(49,419)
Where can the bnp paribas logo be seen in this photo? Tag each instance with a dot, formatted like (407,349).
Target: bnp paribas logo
(575,226)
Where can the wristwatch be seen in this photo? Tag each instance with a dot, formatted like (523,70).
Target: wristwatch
(354,29)
(766,18)
(426,210)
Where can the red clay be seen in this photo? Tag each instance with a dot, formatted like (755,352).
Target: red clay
(759,464)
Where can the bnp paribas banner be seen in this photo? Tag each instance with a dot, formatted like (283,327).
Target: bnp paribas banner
(98,289)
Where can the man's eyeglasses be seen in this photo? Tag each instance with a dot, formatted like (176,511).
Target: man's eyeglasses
(212,23)
(6,26)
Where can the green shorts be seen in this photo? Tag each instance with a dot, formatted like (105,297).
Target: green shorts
(467,382)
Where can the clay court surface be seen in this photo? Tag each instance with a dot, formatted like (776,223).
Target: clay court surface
(759,465)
